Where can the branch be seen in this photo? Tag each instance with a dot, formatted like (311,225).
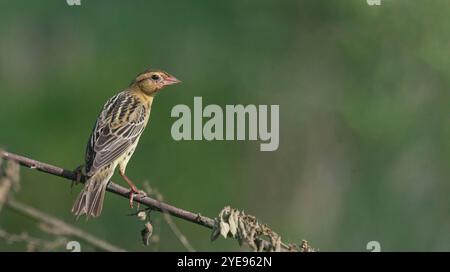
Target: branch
(220,225)
(32,243)
(113,188)
(60,226)
(10,179)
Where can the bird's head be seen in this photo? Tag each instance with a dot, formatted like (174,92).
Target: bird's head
(152,81)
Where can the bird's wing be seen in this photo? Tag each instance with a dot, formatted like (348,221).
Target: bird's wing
(118,126)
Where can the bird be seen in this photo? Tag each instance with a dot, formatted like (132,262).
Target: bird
(114,138)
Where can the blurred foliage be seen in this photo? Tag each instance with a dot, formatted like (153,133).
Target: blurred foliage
(364,128)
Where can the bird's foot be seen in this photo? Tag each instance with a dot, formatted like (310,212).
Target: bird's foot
(134,191)
(78,174)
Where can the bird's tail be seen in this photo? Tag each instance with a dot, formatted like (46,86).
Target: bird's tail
(90,199)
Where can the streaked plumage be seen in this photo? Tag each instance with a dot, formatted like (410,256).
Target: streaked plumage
(115,136)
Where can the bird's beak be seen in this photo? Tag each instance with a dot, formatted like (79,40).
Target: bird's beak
(171,80)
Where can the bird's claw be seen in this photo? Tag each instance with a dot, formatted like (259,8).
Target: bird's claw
(135,192)
(78,174)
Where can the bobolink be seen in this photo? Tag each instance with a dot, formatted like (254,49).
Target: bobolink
(115,136)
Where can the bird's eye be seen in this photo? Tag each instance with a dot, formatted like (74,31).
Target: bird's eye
(155,77)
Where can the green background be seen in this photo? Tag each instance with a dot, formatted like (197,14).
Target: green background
(364,105)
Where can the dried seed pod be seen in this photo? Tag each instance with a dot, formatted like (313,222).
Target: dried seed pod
(142,215)
(224,229)
(146,233)
(233,221)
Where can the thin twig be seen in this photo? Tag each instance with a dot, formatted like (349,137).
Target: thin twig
(181,237)
(62,227)
(9,180)
(32,243)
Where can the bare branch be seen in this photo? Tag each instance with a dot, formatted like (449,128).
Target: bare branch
(152,203)
(60,226)
(32,243)
(114,188)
